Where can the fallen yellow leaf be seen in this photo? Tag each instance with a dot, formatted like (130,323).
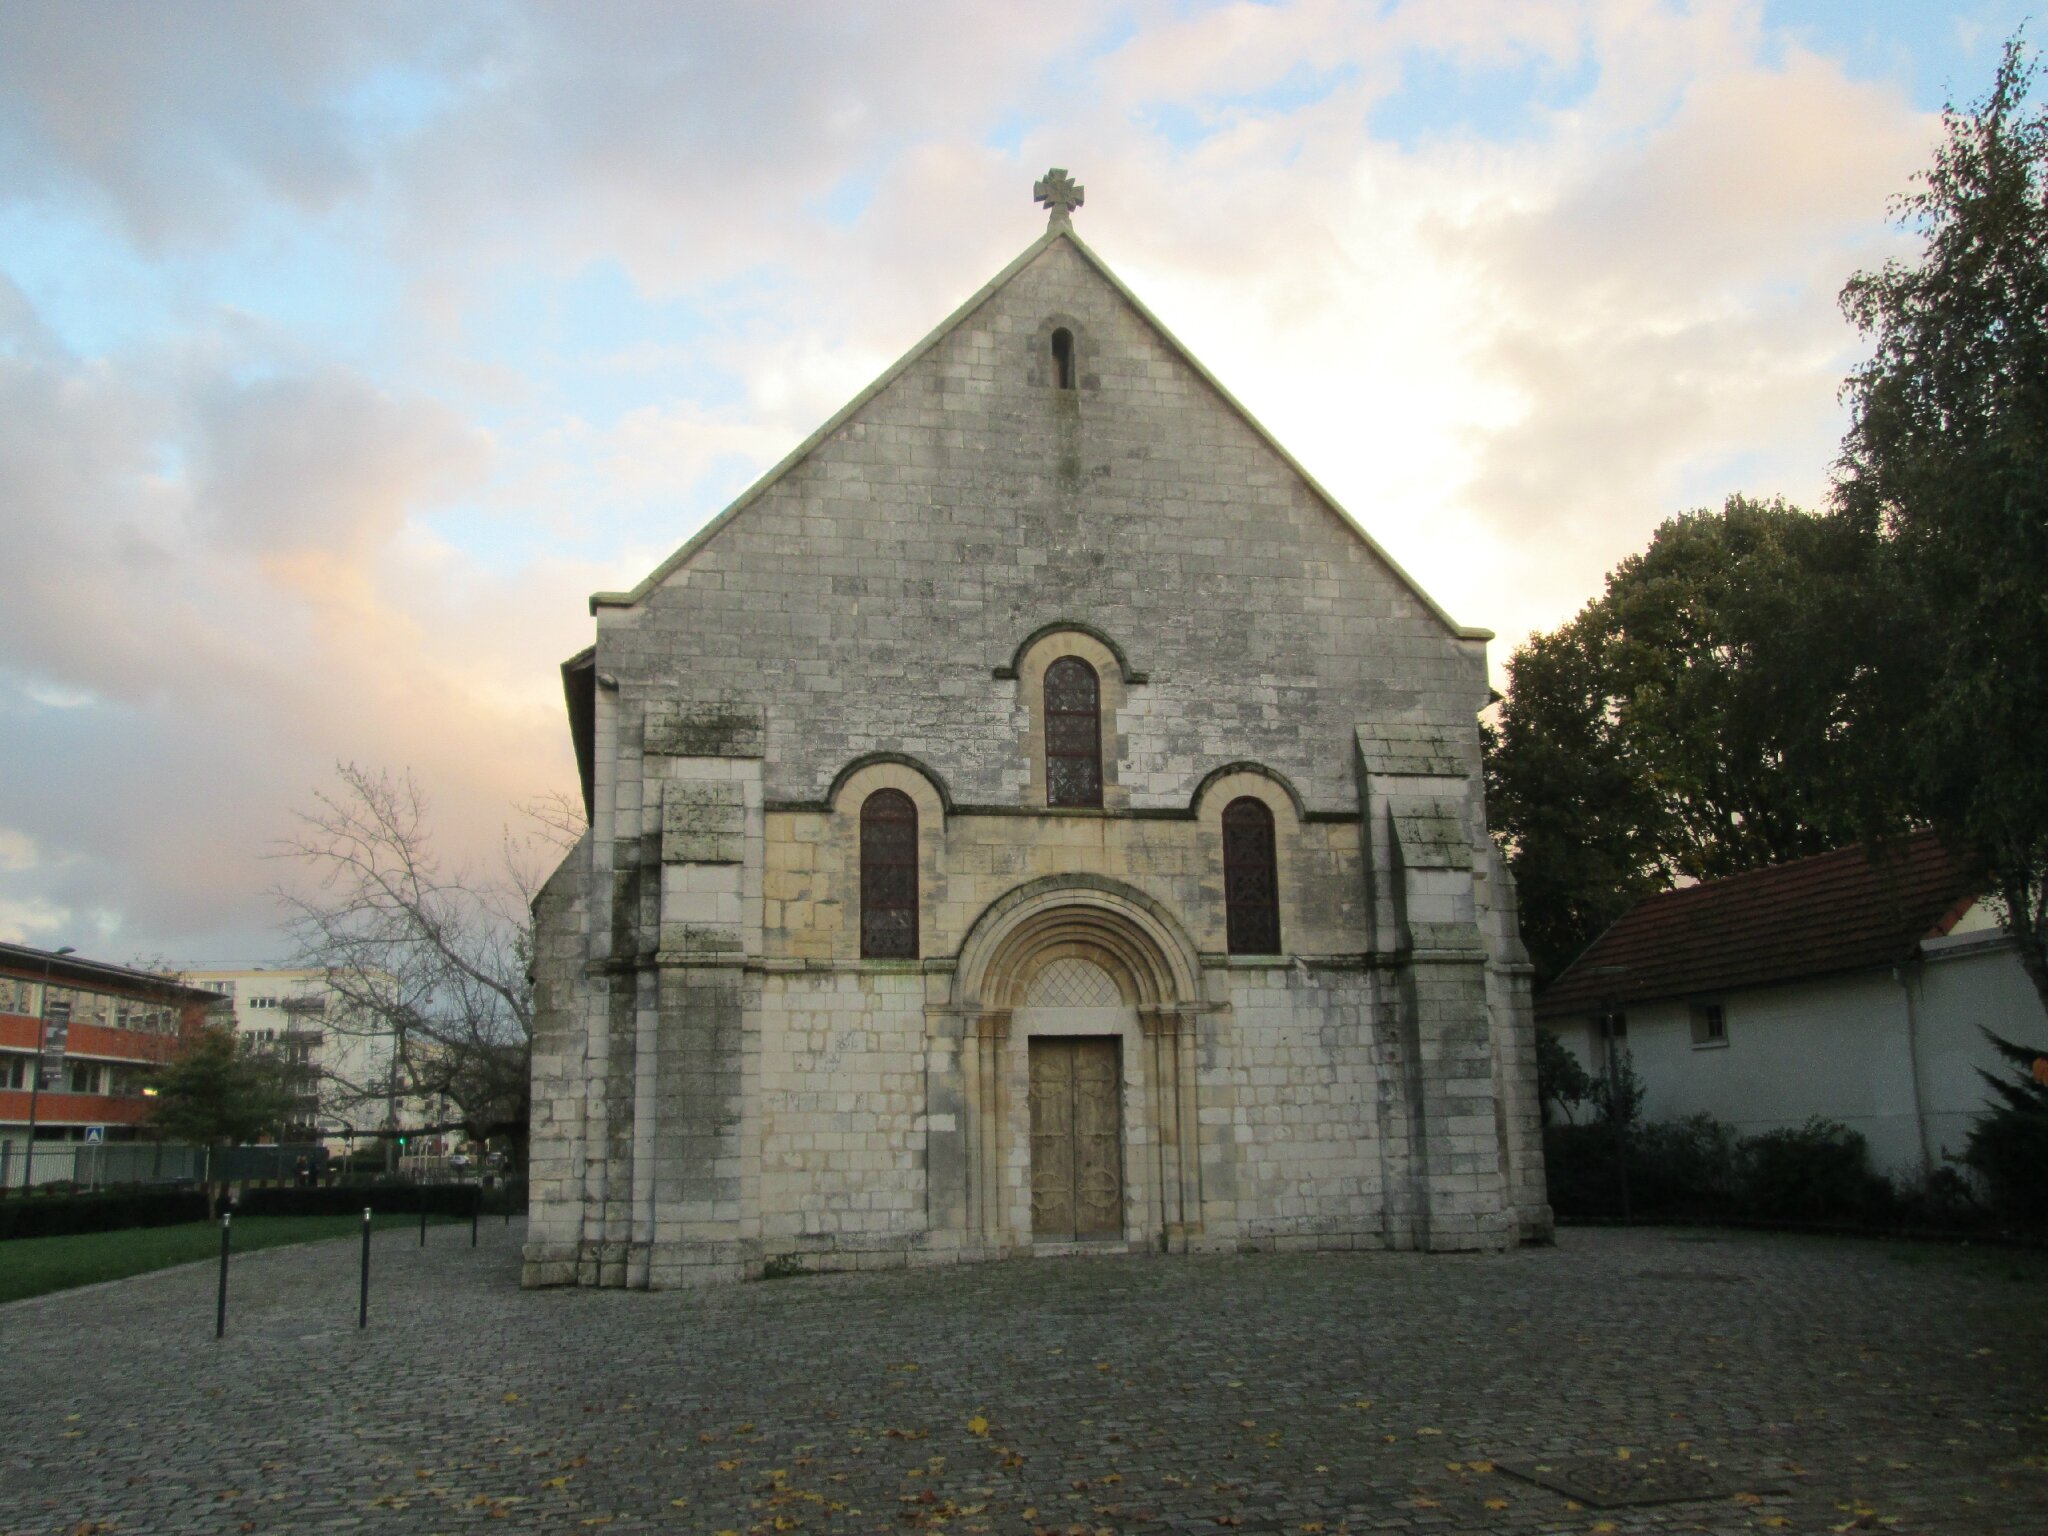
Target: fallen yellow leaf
(977,1426)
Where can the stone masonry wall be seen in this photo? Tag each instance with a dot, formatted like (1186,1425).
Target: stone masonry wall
(843,1107)
(555,1164)
(870,594)
(1288,1098)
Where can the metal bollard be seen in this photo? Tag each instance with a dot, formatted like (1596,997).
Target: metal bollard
(220,1306)
(475,1210)
(423,1224)
(363,1303)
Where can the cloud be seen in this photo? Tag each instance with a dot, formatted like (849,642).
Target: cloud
(230,593)
(326,463)
(603,265)
(182,130)
(1667,313)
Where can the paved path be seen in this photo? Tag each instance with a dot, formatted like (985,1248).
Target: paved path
(1808,1385)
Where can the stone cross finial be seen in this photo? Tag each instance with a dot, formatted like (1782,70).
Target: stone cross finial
(1058,192)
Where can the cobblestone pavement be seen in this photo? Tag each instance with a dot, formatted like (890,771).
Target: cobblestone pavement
(1807,1384)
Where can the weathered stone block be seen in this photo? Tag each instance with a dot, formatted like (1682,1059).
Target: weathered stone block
(705,730)
(703,823)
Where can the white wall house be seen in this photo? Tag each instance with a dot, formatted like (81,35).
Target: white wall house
(1833,986)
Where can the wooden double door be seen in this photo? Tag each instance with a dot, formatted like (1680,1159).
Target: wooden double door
(1077,1170)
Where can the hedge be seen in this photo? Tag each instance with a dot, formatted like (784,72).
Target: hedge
(350,1199)
(1699,1169)
(68,1215)
(64,1215)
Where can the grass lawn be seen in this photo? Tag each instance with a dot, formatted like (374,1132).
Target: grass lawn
(30,1266)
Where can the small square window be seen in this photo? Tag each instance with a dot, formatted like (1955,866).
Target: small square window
(1709,1024)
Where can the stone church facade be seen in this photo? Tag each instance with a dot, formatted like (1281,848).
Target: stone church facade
(1033,818)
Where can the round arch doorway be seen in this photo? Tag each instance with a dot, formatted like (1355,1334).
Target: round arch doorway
(1080,1075)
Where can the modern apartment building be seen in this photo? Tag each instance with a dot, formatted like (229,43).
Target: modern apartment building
(79,1042)
(340,1061)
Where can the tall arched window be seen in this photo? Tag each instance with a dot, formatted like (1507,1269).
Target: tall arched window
(1251,878)
(888,876)
(1073,733)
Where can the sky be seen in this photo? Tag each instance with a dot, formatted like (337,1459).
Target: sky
(346,349)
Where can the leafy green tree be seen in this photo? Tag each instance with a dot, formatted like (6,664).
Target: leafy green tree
(1694,720)
(1560,1080)
(214,1093)
(1945,473)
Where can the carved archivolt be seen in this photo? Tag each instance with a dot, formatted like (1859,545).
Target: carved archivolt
(1105,922)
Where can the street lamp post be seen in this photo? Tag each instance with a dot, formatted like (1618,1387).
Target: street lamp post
(35,1073)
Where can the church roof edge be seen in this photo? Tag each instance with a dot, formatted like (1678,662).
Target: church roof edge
(1056,232)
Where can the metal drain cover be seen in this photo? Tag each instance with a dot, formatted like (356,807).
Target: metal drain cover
(1608,1482)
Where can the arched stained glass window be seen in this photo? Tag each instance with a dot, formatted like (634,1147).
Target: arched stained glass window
(1073,733)
(888,876)
(1251,878)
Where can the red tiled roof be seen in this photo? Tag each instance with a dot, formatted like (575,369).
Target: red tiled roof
(1843,911)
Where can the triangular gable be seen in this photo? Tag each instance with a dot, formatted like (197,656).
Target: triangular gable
(937,334)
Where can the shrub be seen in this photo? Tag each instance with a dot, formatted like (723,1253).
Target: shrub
(1578,1163)
(1696,1168)
(1683,1167)
(1819,1172)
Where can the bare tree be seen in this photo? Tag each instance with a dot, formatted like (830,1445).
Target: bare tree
(435,960)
